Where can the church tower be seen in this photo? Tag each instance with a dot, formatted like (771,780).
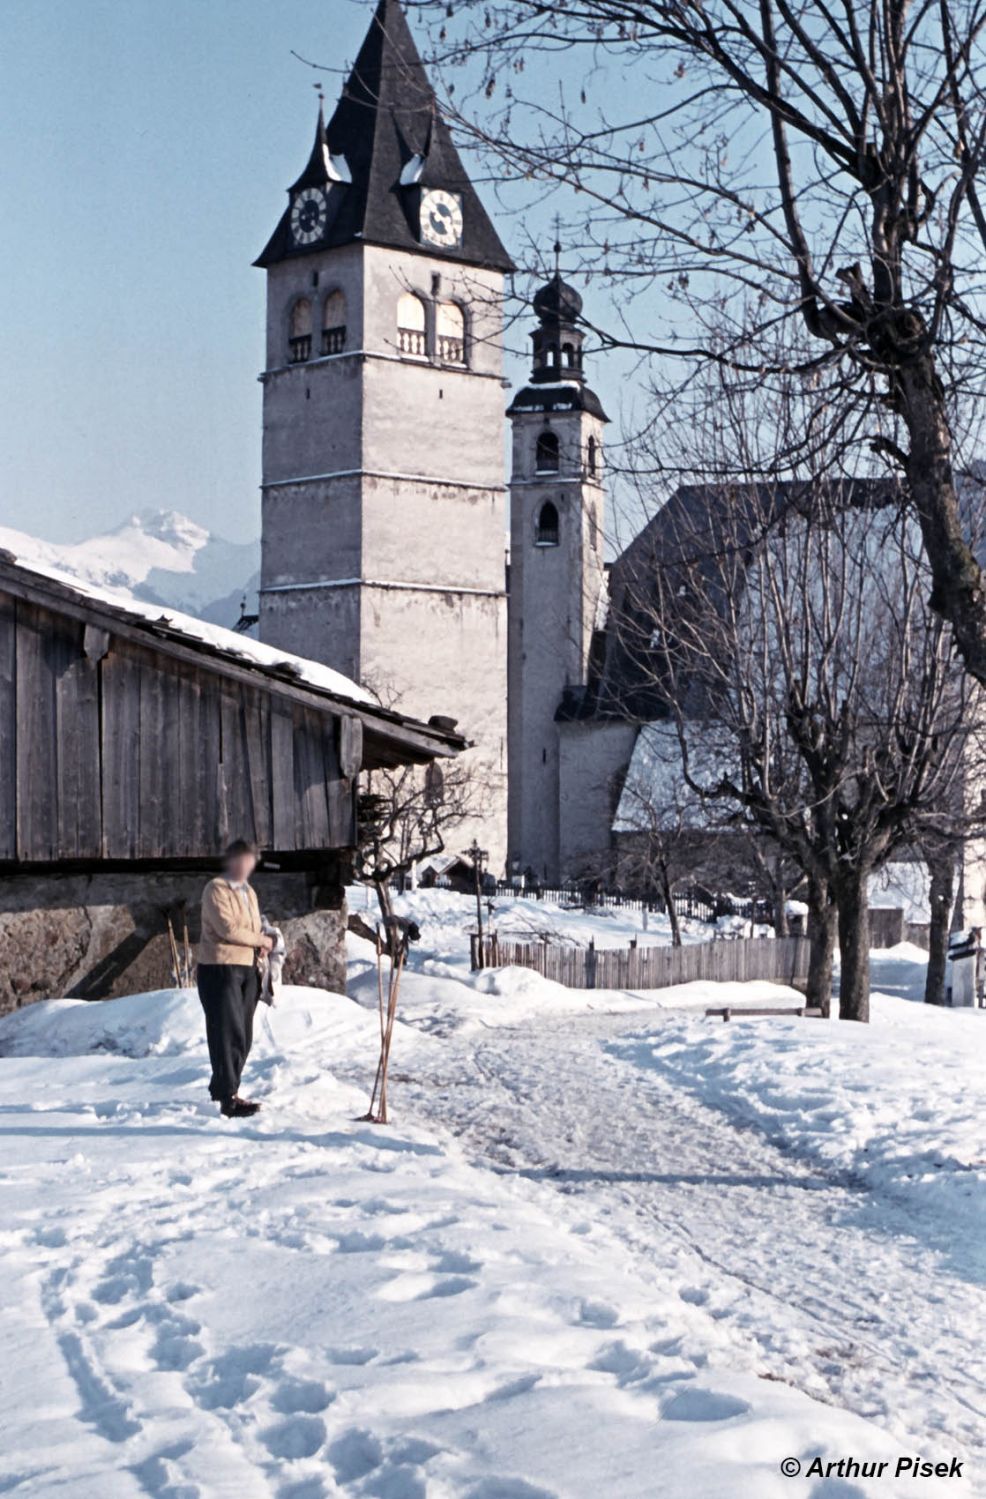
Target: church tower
(557,573)
(383,485)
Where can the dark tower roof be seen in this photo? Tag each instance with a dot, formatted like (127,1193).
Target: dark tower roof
(384,143)
(557,302)
(557,378)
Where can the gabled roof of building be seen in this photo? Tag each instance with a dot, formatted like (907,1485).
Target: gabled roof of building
(393,738)
(387,136)
(687,531)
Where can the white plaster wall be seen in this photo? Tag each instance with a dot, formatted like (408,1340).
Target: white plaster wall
(591,755)
(554,592)
(427,505)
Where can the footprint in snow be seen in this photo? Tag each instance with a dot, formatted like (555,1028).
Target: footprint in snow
(301,1396)
(307,1488)
(126,1275)
(625,1363)
(176,1345)
(355,1454)
(295,1438)
(51,1238)
(355,1356)
(702,1405)
(451,1263)
(598,1314)
(234,1376)
(359,1243)
(424,1287)
(182,1290)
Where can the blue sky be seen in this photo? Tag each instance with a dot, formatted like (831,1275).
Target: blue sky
(147,148)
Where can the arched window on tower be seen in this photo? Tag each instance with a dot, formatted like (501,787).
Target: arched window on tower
(546,533)
(411,323)
(546,453)
(334,323)
(450,328)
(300,336)
(592,456)
(568,356)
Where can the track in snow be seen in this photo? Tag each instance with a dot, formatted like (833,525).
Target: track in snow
(810,1278)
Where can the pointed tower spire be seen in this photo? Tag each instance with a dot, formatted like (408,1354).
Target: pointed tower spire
(388,132)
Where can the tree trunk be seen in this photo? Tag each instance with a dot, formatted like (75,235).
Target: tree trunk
(941,867)
(958,591)
(821,938)
(668,895)
(781,925)
(852,901)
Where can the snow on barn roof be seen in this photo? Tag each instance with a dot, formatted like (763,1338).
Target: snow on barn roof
(187,626)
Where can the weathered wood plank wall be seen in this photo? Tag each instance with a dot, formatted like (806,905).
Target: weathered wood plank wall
(110,749)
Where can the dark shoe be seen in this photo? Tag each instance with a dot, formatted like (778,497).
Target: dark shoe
(238,1108)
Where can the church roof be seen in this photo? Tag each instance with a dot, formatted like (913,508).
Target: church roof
(557,395)
(556,301)
(385,141)
(693,526)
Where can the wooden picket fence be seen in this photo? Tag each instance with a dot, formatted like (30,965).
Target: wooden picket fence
(783,960)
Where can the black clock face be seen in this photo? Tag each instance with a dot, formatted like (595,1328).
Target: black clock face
(308,213)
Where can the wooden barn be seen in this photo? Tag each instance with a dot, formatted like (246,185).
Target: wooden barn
(134,743)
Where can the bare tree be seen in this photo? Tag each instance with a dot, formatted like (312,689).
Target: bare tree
(770,163)
(786,625)
(661,824)
(407,816)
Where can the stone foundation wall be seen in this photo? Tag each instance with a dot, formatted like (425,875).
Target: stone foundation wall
(102,935)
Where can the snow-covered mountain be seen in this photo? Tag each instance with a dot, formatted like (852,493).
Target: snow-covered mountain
(160,556)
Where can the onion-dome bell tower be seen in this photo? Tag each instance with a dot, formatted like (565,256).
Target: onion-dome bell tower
(557,571)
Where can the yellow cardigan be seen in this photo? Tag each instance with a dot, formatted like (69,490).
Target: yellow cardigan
(230,932)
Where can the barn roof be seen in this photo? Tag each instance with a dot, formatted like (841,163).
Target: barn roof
(391,737)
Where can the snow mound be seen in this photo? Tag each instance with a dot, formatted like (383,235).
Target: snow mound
(166,1023)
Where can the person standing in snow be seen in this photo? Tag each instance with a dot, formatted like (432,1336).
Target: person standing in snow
(228,977)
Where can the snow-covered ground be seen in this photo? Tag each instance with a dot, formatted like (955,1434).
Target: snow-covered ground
(608,1247)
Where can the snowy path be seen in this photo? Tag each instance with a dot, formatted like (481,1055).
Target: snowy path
(811,1278)
(559,1274)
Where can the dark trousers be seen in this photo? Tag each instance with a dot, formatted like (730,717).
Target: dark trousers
(229,993)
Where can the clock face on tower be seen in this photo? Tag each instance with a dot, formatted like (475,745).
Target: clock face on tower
(308,215)
(441,217)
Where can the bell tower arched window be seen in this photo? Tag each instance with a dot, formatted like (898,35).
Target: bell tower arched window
(450,329)
(300,336)
(334,323)
(592,456)
(546,456)
(411,325)
(547,530)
